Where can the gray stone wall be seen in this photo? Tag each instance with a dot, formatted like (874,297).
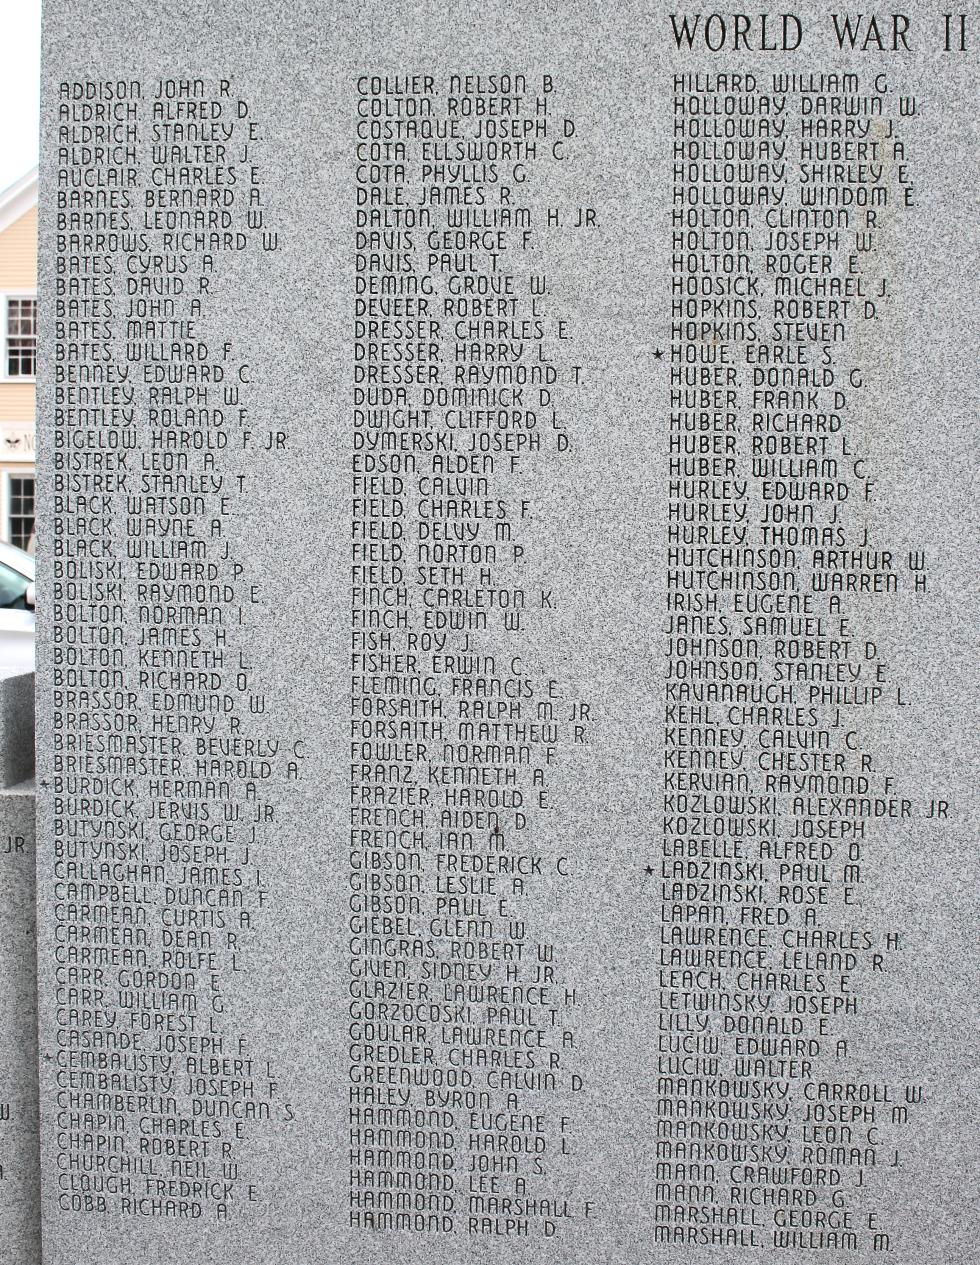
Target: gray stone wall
(20,1205)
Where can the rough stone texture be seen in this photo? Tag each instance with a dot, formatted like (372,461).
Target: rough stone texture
(20,1196)
(20,1204)
(16,728)
(599,540)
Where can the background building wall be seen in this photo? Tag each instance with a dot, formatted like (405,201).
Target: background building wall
(18,278)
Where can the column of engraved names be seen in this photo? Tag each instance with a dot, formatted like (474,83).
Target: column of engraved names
(461,1033)
(768,791)
(154,864)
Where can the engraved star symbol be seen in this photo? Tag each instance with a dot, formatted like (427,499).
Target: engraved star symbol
(649,869)
(658,354)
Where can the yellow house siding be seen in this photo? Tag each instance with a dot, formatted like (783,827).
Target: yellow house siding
(18,275)
(16,401)
(18,253)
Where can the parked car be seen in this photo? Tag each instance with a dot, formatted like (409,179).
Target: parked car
(16,611)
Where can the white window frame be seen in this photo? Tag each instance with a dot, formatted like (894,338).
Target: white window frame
(5,297)
(27,471)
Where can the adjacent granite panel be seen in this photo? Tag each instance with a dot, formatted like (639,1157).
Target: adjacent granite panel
(507,604)
(16,728)
(20,1189)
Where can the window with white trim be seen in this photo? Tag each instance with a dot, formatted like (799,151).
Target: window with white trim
(20,509)
(21,337)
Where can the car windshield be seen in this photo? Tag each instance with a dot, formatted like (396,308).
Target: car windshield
(13,589)
(17,560)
